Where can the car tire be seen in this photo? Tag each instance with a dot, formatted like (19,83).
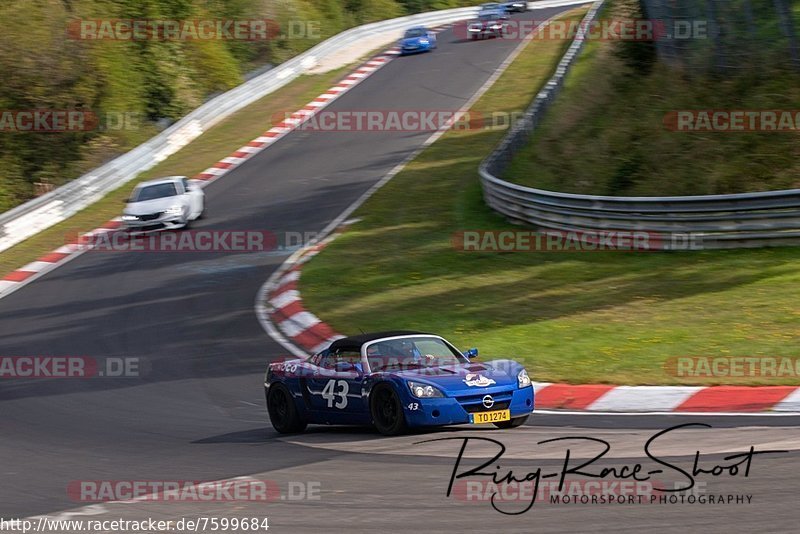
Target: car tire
(513,423)
(387,411)
(282,411)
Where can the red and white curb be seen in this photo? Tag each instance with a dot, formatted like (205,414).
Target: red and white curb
(294,326)
(49,262)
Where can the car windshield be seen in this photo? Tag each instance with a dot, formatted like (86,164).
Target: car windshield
(412,353)
(151,192)
(491,16)
(490,5)
(416,32)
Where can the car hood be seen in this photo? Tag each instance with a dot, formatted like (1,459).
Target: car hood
(453,379)
(152,206)
(410,41)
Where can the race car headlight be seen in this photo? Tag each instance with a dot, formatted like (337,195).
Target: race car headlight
(523,380)
(423,41)
(424,391)
(126,217)
(174,210)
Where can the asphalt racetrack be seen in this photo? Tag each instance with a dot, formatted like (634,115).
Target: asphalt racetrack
(197,413)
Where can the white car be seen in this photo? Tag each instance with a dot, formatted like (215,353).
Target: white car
(488,24)
(163,204)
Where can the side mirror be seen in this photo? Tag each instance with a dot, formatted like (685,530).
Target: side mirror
(471,353)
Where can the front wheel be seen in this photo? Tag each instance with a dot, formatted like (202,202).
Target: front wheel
(282,410)
(386,410)
(513,423)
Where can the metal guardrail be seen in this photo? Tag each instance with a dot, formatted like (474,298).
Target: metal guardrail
(703,221)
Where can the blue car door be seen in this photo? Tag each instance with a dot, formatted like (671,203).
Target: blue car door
(335,391)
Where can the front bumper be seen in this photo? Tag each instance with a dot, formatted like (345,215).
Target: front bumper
(162,222)
(414,49)
(457,410)
(486,30)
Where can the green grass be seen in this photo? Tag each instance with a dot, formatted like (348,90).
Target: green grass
(206,150)
(606,317)
(605,134)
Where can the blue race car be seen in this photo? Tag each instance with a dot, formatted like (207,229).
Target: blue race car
(395,381)
(418,39)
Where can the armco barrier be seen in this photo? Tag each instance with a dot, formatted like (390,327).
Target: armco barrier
(704,221)
(28,219)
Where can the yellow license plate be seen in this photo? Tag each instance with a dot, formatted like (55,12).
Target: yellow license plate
(490,417)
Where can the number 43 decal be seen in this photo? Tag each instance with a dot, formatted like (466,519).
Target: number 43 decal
(336,389)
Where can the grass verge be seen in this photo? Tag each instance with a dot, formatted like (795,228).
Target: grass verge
(606,132)
(213,145)
(602,317)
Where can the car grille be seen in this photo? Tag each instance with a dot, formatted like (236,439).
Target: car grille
(150,216)
(473,408)
(474,403)
(151,227)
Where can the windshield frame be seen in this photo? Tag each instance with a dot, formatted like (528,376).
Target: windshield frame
(135,197)
(419,31)
(457,354)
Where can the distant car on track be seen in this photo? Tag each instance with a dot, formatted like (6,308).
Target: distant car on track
(394,381)
(490,6)
(489,24)
(417,39)
(163,204)
(517,6)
